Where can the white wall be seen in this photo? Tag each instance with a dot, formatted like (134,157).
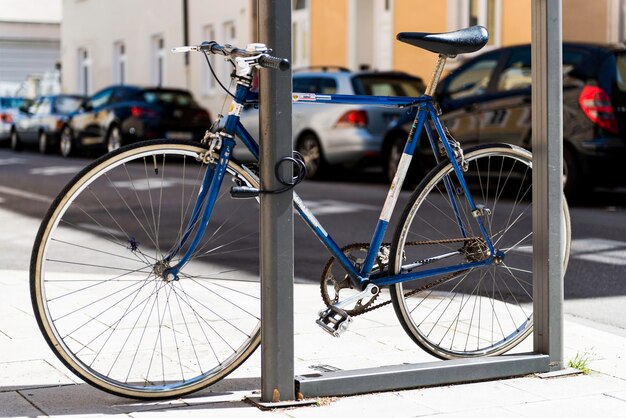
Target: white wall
(97,25)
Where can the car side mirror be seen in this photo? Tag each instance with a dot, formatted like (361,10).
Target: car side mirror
(24,109)
(86,107)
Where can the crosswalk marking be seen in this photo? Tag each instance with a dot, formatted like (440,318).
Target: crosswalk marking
(54,170)
(599,250)
(332,207)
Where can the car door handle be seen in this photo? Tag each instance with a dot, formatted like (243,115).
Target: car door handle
(471,108)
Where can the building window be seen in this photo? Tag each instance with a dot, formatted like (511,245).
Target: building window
(208,81)
(300,33)
(158,60)
(487,13)
(119,63)
(84,71)
(229,34)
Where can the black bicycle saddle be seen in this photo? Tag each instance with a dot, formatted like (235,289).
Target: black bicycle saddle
(458,42)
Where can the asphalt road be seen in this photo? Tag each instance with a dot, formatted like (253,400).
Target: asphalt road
(595,283)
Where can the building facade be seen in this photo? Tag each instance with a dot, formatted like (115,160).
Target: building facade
(117,41)
(30,39)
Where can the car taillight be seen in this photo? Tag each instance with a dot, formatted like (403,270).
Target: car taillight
(596,104)
(353,118)
(139,112)
(6,117)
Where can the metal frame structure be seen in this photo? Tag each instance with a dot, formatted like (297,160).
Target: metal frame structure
(277,323)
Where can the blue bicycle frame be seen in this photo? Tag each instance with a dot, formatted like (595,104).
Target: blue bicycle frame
(363,276)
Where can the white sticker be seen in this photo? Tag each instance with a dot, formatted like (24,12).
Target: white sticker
(235,109)
(304,97)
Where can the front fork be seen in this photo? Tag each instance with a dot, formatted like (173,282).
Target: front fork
(204,205)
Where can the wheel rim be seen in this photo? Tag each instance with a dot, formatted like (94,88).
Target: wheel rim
(43,143)
(66,142)
(114,141)
(201,334)
(311,152)
(481,311)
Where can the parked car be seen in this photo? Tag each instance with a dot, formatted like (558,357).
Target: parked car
(120,115)
(337,134)
(9,110)
(488,99)
(41,123)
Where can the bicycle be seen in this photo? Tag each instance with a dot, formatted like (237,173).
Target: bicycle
(137,280)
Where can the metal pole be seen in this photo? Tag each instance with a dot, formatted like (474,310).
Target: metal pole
(547,144)
(277,353)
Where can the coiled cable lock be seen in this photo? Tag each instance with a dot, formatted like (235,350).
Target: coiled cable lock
(297,160)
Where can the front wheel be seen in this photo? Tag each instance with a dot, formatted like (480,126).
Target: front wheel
(483,310)
(99,286)
(114,139)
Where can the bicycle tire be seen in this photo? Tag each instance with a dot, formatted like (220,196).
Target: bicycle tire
(482,311)
(97,287)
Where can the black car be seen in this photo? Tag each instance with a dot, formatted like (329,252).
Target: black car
(488,99)
(41,123)
(120,115)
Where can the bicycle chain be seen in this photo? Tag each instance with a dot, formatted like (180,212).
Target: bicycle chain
(367,308)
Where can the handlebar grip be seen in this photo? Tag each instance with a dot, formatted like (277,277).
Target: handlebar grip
(274,63)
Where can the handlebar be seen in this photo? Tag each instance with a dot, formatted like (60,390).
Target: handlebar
(257,51)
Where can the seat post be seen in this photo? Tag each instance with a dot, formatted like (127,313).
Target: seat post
(432,85)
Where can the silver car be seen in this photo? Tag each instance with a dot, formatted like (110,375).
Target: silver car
(337,134)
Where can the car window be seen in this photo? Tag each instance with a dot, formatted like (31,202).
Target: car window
(388,85)
(472,80)
(44,107)
(517,72)
(67,104)
(100,99)
(317,85)
(13,101)
(620,61)
(169,97)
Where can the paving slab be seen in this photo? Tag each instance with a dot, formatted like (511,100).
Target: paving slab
(31,374)
(581,407)
(12,404)
(471,397)
(568,387)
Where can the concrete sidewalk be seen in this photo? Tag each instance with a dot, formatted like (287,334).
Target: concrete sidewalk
(34,383)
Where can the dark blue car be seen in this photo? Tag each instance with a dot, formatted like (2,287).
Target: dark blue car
(120,115)
(488,99)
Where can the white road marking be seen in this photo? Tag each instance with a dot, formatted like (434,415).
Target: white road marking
(12,160)
(53,171)
(331,207)
(144,184)
(25,195)
(599,250)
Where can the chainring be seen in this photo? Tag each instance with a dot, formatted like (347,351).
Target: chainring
(334,279)
(329,278)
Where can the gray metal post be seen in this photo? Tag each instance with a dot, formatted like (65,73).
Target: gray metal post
(277,361)
(547,144)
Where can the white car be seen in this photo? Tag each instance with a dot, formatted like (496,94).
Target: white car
(338,134)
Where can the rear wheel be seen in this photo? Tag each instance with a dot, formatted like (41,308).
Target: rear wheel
(99,286)
(311,150)
(16,143)
(478,311)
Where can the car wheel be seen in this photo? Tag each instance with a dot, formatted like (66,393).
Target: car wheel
(114,139)
(66,143)
(311,150)
(393,155)
(44,143)
(16,144)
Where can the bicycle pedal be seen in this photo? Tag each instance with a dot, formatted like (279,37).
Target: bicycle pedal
(334,321)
